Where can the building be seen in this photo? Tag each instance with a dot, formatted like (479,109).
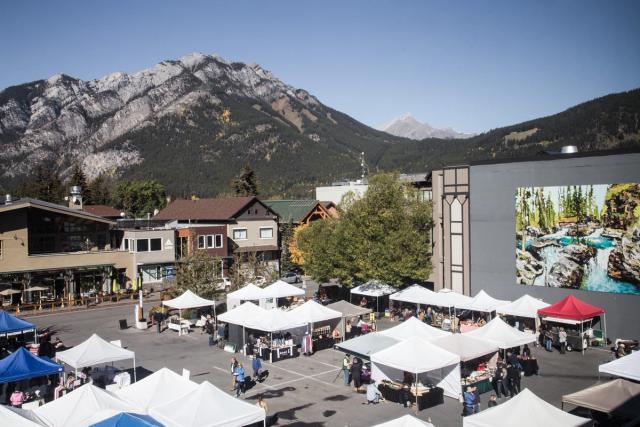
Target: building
(485,211)
(251,226)
(103,211)
(298,212)
(337,190)
(153,253)
(66,249)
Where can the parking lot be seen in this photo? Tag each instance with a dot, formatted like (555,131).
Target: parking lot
(305,391)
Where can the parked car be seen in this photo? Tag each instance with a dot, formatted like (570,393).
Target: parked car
(224,285)
(290,277)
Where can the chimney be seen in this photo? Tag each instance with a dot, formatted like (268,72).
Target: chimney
(75,197)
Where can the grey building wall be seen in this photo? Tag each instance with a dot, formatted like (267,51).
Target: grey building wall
(492,216)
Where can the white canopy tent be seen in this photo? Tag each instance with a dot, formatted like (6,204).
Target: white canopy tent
(413,327)
(450,298)
(465,346)
(524,410)
(502,334)
(275,320)
(525,306)
(423,359)
(405,421)
(189,300)
(483,302)
(348,310)
(83,406)
(15,417)
(249,292)
(281,289)
(313,312)
(159,388)
(373,289)
(207,406)
(368,344)
(416,294)
(626,367)
(95,351)
(242,315)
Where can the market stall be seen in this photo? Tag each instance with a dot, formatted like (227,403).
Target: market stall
(85,405)
(572,312)
(281,289)
(158,388)
(415,294)
(482,302)
(321,320)
(349,313)
(503,335)
(127,419)
(22,365)
(282,330)
(15,417)
(478,359)
(440,370)
(524,309)
(524,410)
(413,327)
(249,292)
(237,318)
(618,398)
(625,367)
(372,289)
(366,345)
(188,300)
(12,325)
(207,406)
(95,351)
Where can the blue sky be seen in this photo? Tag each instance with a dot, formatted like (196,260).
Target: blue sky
(470,65)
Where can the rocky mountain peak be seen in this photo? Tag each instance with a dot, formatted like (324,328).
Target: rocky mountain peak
(407,126)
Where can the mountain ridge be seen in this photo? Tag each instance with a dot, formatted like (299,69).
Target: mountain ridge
(407,126)
(193,123)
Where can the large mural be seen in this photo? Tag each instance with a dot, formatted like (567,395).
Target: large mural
(579,236)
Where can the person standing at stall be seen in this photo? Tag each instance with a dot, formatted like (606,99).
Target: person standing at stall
(513,375)
(234,365)
(356,373)
(346,366)
(562,338)
(256,365)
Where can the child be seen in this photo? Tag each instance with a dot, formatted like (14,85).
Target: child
(493,401)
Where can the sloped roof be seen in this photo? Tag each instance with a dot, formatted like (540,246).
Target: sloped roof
(220,209)
(27,202)
(101,210)
(349,310)
(293,210)
(619,396)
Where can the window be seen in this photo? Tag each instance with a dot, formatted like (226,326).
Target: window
(240,234)
(218,240)
(156,244)
(210,241)
(126,244)
(201,242)
(0,249)
(142,245)
(266,232)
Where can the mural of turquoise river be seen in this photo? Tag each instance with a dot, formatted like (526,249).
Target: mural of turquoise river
(596,271)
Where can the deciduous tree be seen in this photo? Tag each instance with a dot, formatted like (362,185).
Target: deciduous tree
(140,198)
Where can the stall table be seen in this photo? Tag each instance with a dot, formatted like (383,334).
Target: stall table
(323,343)
(483,385)
(278,353)
(394,392)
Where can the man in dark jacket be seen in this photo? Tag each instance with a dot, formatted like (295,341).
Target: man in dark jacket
(513,374)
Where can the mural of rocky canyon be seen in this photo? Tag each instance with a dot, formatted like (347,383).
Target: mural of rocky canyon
(579,236)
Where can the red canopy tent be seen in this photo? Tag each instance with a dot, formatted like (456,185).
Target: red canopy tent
(571,307)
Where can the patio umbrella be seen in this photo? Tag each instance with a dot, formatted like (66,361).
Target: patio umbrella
(10,292)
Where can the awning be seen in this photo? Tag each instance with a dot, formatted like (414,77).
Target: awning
(625,367)
(263,248)
(502,334)
(9,323)
(22,365)
(93,351)
(373,288)
(188,300)
(571,307)
(619,397)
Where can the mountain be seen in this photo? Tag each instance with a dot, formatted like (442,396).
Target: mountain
(193,123)
(407,126)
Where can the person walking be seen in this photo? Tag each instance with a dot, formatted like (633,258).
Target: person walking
(346,366)
(234,365)
(239,376)
(256,365)
(562,338)
(208,327)
(157,317)
(468,401)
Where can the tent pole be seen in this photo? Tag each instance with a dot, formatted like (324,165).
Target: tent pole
(134,369)
(244,351)
(179,321)
(416,392)
(270,347)
(604,317)
(581,336)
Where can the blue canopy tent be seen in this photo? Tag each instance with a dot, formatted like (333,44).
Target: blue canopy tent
(22,365)
(126,419)
(11,324)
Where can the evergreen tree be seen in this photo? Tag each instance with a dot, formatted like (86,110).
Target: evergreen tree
(245,184)
(99,191)
(140,198)
(43,184)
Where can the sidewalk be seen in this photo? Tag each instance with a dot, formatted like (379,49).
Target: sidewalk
(153,299)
